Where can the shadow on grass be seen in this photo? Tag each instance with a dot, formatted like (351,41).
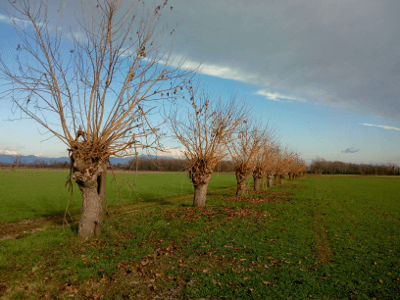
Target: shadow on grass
(74,228)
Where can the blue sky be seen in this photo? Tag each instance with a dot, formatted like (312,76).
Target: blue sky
(324,76)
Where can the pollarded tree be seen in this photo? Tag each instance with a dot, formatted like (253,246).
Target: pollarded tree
(265,162)
(296,166)
(244,149)
(283,161)
(271,155)
(91,91)
(205,133)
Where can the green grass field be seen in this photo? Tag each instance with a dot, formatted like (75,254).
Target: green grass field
(327,237)
(34,193)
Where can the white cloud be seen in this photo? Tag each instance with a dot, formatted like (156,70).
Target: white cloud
(8,152)
(278,96)
(381,126)
(39,155)
(171,152)
(20,23)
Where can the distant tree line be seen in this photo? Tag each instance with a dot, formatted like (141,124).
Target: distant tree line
(322,166)
(37,164)
(142,164)
(168,165)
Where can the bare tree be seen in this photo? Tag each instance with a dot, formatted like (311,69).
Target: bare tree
(284,158)
(247,143)
(205,135)
(296,167)
(16,162)
(265,162)
(93,95)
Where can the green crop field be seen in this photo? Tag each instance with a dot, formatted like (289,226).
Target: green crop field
(35,193)
(319,237)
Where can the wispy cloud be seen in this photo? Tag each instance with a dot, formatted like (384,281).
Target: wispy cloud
(214,70)
(12,20)
(278,97)
(350,150)
(381,126)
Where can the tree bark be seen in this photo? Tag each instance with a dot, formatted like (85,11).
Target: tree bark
(91,180)
(270,181)
(92,211)
(281,179)
(200,182)
(257,183)
(278,179)
(241,183)
(200,195)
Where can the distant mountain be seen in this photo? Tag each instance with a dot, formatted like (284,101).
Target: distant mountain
(29,159)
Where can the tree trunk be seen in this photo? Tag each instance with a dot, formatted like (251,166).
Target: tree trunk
(281,177)
(257,183)
(270,181)
(200,182)
(92,211)
(241,183)
(92,180)
(278,180)
(200,195)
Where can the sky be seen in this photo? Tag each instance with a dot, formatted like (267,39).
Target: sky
(324,74)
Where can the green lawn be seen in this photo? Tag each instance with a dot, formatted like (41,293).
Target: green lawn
(35,193)
(321,237)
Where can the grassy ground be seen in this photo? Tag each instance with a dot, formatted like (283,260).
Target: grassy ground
(35,193)
(314,238)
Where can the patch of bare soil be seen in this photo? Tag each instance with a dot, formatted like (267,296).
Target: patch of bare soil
(10,230)
(322,245)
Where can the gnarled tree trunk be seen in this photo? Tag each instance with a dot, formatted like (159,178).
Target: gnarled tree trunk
(257,176)
(200,178)
(200,194)
(281,177)
(270,181)
(257,183)
(241,183)
(91,180)
(278,179)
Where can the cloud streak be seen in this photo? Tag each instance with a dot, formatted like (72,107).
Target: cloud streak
(350,150)
(278,97)
(381,126)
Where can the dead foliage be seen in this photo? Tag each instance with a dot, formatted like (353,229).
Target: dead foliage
(250,199)
(229,213)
